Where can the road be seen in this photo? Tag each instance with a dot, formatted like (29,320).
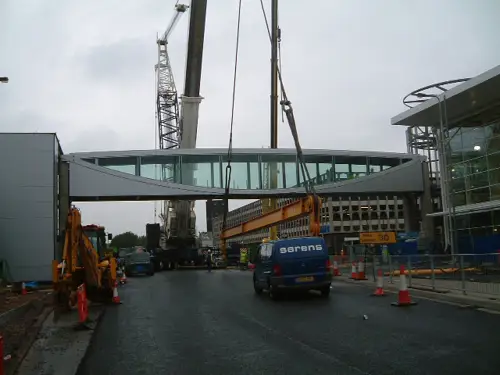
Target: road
(195,322)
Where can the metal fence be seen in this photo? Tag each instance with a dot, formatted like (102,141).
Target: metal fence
(467,273)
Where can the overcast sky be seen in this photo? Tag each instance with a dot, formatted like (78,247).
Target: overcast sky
(85,70)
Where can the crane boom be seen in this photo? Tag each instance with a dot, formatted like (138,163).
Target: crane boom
(310,205)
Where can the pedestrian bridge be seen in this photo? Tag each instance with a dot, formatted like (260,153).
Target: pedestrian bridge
(200,173)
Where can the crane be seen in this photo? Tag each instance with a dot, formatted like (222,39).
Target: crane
(176,131)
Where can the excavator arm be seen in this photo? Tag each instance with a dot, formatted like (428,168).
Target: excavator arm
(80,263)
(310,205)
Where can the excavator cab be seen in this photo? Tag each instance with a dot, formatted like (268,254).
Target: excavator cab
(97,235)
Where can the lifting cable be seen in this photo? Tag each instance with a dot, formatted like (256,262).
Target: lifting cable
(286,106)
(230,147)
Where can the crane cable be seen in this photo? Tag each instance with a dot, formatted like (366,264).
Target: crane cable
(230,147)
(286,106)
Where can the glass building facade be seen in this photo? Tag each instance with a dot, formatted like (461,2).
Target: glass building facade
(248,171)
(474,165)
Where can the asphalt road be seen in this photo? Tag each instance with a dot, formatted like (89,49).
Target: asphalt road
(195,322)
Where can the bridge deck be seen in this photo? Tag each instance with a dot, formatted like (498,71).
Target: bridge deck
(200,173)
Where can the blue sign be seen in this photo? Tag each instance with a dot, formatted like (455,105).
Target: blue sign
(325,228)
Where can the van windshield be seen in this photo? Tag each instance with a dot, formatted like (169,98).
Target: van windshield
(301,248)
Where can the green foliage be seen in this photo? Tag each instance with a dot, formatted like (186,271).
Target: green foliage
(128,239)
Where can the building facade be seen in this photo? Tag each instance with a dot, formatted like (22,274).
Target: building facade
(29,209)
(340,218)
(463,129)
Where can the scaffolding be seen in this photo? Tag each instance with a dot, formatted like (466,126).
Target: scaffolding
(433,141)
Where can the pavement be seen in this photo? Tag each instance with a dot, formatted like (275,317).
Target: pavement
(59,348)
(212,323)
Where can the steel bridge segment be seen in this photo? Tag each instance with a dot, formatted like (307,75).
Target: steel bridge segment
(90,180)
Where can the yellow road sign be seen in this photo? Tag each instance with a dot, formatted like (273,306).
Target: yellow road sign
(377,237)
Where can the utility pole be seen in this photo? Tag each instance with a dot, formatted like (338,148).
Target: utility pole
(274,74)
(273,167)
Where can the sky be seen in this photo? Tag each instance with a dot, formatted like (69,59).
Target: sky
(84,69)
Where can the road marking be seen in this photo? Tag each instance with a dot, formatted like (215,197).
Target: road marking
(484,309)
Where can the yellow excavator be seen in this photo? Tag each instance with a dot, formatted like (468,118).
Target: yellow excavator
(84,261)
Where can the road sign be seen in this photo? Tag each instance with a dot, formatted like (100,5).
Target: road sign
(377,237)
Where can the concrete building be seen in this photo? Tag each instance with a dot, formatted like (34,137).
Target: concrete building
(456,124)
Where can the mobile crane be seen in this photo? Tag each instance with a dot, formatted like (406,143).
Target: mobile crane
(179,219)
(84,261)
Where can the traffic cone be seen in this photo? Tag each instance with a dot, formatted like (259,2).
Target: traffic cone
(123,279)
(336,271)
(404,298)
(23,289)
(379,292)
(116,297)
(361,270)
(354,271)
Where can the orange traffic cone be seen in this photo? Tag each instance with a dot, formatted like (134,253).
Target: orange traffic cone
(354,271)
(379,292)
(116,297)
(336,271)
(123,279)
(404,298)
(23,289)
(361,270)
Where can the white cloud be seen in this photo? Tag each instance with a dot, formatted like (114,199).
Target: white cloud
(84,69)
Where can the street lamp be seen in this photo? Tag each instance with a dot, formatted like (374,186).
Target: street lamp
(444,172)
(4,79)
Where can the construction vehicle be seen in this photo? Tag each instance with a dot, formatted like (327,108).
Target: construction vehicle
(84,261)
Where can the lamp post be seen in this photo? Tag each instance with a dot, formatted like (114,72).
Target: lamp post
(4,79)
(446,197)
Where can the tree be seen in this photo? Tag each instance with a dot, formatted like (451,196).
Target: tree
(127,239)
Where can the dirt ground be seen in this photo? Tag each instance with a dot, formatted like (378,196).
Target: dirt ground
(15,326)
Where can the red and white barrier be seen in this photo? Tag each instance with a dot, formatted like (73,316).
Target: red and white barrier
(379,291)
(404,298)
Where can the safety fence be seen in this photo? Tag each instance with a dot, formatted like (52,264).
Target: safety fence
(468,273)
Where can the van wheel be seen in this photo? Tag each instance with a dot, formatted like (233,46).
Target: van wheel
(256,288)
(325,291)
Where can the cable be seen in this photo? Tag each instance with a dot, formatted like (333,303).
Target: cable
(230,146)
(286,106)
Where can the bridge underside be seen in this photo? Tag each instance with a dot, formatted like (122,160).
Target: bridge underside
(91,182)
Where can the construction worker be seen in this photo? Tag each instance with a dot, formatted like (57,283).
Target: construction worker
(209,260)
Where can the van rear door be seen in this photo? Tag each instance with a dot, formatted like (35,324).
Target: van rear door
(302,257)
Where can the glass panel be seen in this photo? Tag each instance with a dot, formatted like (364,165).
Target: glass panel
(218,181)
(125,165)
(380,163)
(254,175)
(239,170)
(477,180)
(130,169)
(341,168)
(290,174)
(165,168)
(196,170)
(311,168)
(478,195)
(358,167)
